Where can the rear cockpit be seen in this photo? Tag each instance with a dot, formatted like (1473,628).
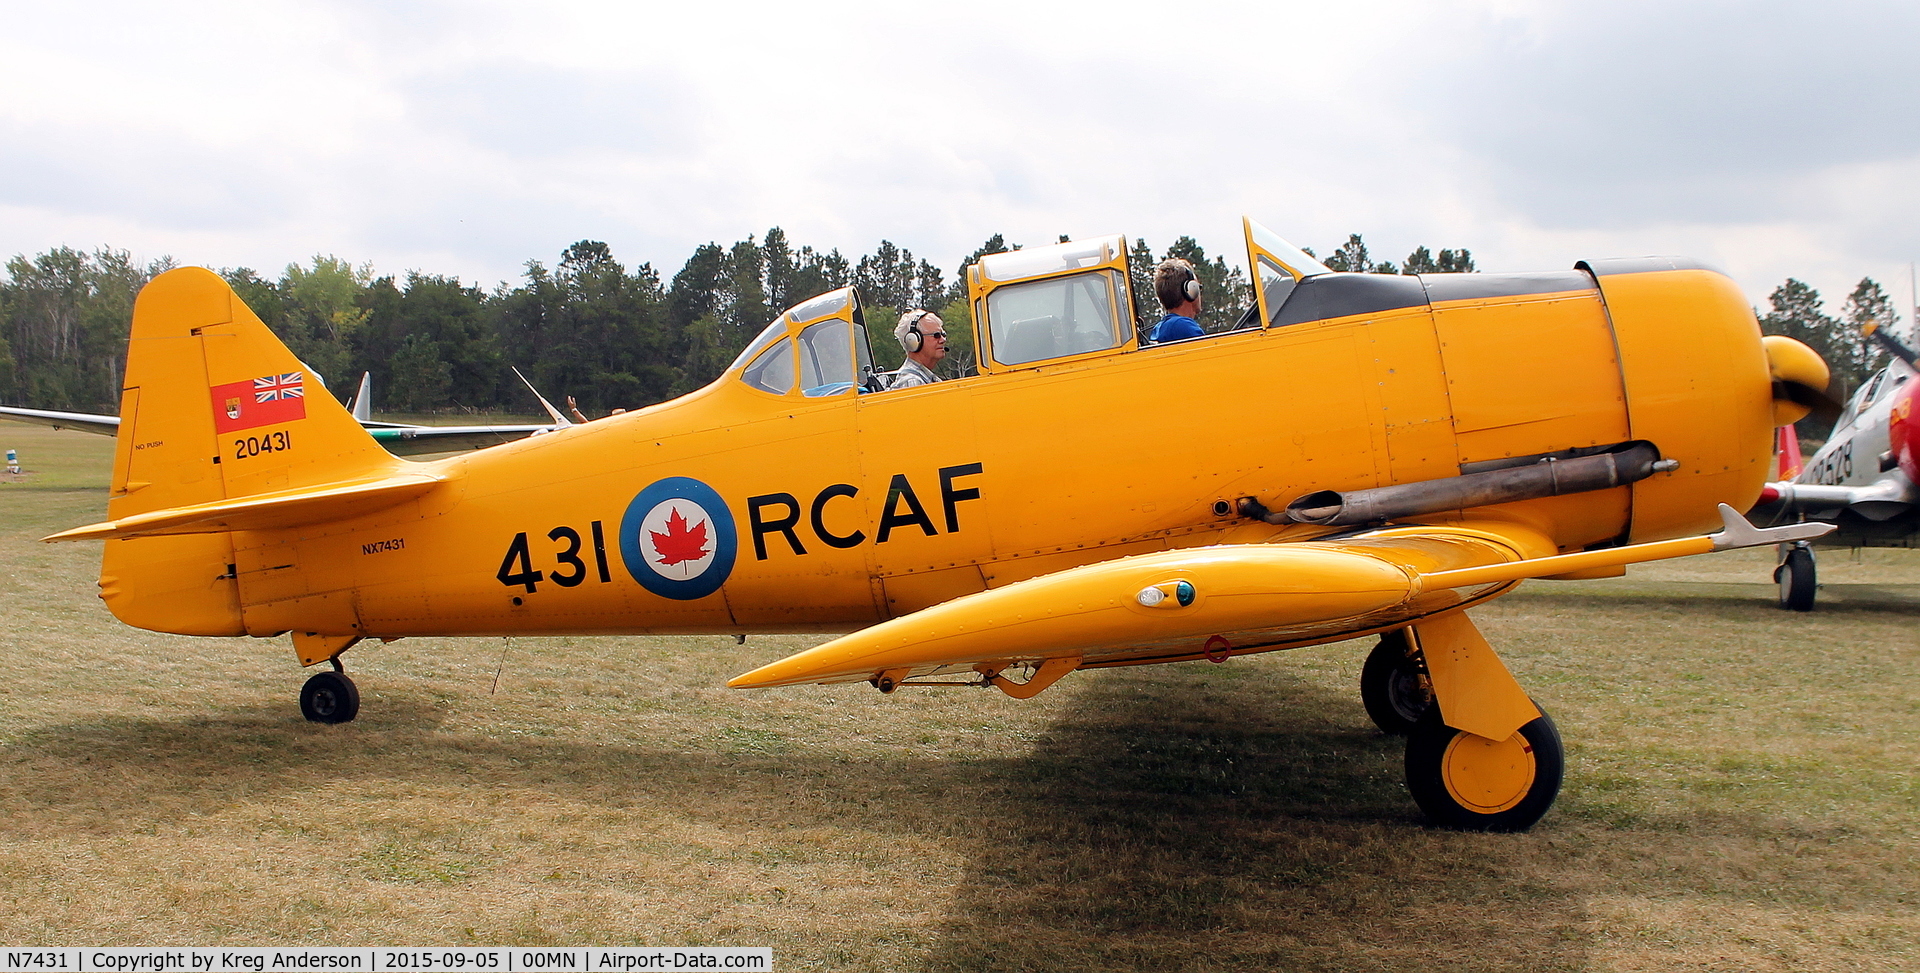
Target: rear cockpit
(1074,302)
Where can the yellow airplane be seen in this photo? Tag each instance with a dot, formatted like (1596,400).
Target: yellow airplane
(1367,454)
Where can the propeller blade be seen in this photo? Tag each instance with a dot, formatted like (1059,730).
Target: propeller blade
(1890,344)
(1824,407)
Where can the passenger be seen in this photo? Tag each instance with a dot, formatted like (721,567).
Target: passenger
(1178,288)
(925,342)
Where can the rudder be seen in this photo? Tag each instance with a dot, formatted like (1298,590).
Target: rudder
(215,407)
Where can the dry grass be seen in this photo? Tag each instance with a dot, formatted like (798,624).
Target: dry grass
(1740,792)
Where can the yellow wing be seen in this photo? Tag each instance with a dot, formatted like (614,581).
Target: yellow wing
(1219,601)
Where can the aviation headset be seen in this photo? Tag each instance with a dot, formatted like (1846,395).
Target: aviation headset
(912,338)
(1191,288)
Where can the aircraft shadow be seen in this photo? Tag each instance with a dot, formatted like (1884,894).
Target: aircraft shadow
(1229,826)
(1837,599)
(1174,818)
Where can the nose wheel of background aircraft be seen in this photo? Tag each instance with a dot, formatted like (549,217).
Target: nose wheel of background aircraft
(1394,685)
(1797,580)
(1476,784)
(330,697)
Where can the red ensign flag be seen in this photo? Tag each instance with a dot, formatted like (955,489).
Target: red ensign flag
(261,402)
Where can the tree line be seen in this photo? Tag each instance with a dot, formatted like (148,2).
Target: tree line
(609,334)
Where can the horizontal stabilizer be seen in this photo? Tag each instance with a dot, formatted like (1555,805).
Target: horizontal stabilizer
(266,511)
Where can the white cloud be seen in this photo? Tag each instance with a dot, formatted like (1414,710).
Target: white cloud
(467,138)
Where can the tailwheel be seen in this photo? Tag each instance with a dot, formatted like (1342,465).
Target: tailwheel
(1476,784)
(1394,684)
(329,697)
(1797,581)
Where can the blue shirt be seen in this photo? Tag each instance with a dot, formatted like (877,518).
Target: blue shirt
(1173,327)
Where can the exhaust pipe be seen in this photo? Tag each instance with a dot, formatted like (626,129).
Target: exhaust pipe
(1550,476)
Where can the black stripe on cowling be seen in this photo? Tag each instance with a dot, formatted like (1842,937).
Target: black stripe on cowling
(1324,296)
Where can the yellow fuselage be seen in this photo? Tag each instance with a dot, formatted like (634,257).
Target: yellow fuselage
(851,509)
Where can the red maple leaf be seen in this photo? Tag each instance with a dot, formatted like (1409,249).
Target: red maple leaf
(679,543)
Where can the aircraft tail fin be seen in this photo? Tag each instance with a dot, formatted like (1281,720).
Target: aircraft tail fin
(215,407)
(362,406)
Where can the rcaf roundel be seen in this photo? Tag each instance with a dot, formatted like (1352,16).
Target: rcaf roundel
(677,539)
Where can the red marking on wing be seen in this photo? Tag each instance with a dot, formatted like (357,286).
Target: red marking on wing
(680,543)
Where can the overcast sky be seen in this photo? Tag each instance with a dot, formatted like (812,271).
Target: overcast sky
(1773,139)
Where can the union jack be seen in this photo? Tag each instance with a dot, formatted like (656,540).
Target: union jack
(292,385)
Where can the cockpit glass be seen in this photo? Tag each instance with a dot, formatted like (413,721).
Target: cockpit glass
(831,302)
(773,371)
(1052,318)
(768,335)
(1276,282)
(1018,264)
(826,358)
(1284,252)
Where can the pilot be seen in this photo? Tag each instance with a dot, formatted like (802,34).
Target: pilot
(1178,288)
(925,341)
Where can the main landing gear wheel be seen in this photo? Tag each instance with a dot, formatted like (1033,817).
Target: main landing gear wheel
(1796,577)
(1475,784)
(1394,685)
(329,697)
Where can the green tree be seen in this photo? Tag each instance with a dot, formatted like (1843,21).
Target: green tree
(420,380)
(816,273)
(780,272)
(709,348)
(66,316)
(1867,305)
(1422,261)
(747,306)
(1350,257)
(437,349)
(1140,263)
(323,317)
(996,243)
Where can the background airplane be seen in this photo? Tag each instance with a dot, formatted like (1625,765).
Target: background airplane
(1369,455)
(1862,481)
(399,438)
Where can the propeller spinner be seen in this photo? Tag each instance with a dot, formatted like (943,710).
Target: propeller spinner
(1800,380)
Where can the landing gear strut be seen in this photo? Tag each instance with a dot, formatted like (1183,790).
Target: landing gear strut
(330,697)
(1796,577)
(1394,684)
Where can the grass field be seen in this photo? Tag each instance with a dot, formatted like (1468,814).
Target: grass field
(1740,792)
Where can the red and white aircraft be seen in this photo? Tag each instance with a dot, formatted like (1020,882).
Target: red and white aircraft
(1863,480)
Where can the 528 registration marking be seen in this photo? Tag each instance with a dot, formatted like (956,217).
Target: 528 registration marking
(272,442)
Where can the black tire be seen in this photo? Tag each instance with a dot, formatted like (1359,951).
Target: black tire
(1394,686)
(329,697)
(1797,580)
(1471,783)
